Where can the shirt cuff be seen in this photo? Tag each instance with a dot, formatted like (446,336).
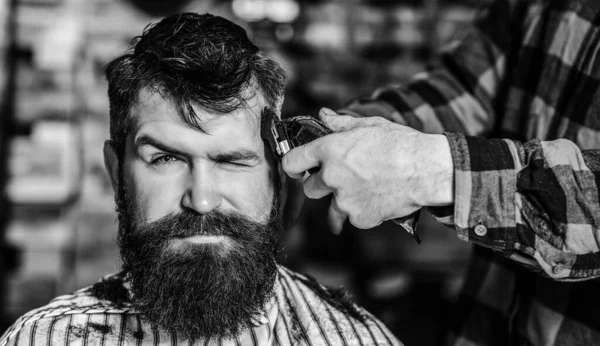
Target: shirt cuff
(485,187)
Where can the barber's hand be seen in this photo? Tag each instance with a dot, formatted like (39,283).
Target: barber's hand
(376,169)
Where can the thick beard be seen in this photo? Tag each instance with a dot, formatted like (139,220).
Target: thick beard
(199,291)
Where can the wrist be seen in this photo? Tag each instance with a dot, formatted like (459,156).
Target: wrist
(440,184)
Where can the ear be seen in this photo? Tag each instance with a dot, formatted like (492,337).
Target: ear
(111,162)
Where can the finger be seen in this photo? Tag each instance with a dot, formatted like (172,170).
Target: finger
(296,176)
(363,222)
(294,203)
(302,158)
(335,218)
(315,188)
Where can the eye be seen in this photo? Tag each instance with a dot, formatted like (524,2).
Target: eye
(163,159)
(233,163)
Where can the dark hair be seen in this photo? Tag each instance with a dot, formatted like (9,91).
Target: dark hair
(192,60)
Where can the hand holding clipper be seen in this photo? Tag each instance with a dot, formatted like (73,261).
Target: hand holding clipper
(283,135)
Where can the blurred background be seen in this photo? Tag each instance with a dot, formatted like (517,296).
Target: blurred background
(57,220)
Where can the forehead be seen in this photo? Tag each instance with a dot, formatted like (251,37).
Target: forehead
(153,110)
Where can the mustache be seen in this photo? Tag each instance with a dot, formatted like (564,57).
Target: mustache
(189,223)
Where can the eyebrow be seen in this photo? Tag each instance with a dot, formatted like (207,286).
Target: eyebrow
(234,155)
(146,140)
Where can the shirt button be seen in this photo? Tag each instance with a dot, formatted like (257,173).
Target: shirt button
(480,230)
(558,269)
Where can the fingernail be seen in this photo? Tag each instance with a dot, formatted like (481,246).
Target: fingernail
(328,111)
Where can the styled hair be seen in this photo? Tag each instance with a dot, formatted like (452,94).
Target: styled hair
(192,60)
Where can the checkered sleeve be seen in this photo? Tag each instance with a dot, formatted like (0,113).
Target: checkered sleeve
(537,202)
(458,91)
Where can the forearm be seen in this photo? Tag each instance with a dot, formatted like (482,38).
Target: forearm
(537,199)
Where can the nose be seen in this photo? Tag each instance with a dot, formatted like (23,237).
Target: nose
(202,194)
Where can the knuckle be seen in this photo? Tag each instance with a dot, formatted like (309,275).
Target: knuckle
(380,120)
(377,120)
(335,206)
(318,146)
(327,176)
(362,222)
(342,206)
(356,221)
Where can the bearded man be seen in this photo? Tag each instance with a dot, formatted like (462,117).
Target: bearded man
(199,202)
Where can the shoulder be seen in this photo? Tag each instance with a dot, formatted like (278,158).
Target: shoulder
(328,314)
(67,316)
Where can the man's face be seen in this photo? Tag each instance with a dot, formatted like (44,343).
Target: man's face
(171,167)
(197,217)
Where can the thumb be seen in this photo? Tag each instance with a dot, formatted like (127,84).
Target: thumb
(337,122)
(341,123)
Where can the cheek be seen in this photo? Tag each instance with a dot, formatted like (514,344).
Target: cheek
(154,196)
(252,196)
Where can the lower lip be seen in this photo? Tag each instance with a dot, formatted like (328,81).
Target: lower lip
(205,239)
(201,240)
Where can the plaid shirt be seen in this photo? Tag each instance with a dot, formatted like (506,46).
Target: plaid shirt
(527,72)
(299,313)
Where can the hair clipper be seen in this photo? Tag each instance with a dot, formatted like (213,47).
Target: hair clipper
(283,135)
